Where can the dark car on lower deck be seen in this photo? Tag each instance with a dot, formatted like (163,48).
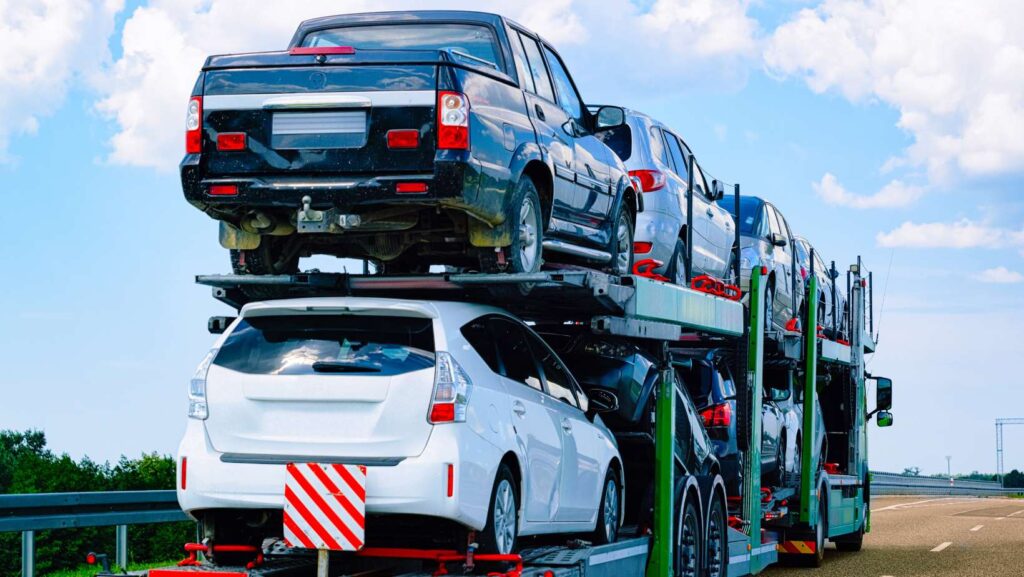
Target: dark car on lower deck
(407,139)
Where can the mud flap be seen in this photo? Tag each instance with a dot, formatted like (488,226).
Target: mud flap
(236,238)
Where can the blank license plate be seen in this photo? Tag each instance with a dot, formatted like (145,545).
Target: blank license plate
(299,130)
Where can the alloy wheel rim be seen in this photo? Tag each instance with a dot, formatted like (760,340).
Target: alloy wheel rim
(680,269)
(716,549)
(611,510)
(688,547)
(528,245)
(769,312)
(504,517)
(624,248)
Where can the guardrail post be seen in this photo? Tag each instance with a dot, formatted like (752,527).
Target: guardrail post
(28,553)
(121,546)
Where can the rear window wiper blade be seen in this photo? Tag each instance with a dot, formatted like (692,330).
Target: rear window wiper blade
(339,367)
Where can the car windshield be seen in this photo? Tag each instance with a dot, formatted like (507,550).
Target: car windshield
(473,40)
(750,208)
(325,344)
(706,387)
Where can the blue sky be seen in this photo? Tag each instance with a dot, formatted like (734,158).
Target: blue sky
(102,325)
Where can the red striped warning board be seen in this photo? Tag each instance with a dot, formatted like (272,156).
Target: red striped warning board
(325,506)
(797,547)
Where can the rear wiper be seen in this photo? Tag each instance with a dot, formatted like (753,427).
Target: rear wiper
(338,367)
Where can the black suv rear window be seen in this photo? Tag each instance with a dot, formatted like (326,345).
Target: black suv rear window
(329,344)
(470,39)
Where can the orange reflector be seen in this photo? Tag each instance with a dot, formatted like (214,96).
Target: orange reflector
(227,141)
(451,479)
(403,138)
(410,187)
(223,190)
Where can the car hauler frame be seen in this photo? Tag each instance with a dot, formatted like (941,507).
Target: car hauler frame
(673,318)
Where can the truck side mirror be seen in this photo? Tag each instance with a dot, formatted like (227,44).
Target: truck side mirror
(883,394)
(884,419)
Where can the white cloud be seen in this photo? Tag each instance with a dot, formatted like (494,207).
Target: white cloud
(1000,275)
(954,70)
(44,46)
(165,42)
(963,233)
(894,194)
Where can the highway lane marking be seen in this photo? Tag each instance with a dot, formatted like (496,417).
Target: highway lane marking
(1000,518)
(942,546)
(1015,513)
(977,528)
(944,501)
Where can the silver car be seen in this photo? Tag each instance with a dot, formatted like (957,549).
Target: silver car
(766,241)
(657,158)
(832,319)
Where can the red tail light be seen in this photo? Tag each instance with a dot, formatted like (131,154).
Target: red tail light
(452,121)
(316,50)
(194,126)
(403,138)
(717,415)
(411,187)
(228,141)
(642,247)
(223,190)
(650,180)
(442,413)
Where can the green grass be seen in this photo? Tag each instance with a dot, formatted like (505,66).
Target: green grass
(91,570)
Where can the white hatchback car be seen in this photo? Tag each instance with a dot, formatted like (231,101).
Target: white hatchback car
(460,412)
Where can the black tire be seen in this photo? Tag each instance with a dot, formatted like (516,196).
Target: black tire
(498,536)
(274,255)
(621,245)
(769,309)
(525,215)
(716,551)
(609,513)
(820,531)
(689,544)
(779,478)
(676,271)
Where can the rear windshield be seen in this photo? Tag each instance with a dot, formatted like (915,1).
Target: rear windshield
(619,139)
(469,39)
(750,208)
(328,344)
(707,386)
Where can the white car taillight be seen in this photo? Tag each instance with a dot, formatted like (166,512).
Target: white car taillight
(452,387)
(197,407)
(194,126)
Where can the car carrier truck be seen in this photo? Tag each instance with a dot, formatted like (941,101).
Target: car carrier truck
(827,500)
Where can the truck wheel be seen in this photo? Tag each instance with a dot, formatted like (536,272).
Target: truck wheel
(717,542)
(607,530)
(688,542)
(820,530)
(621,247)
(499,536)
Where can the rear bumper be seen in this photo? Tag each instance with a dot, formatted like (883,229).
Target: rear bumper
(661,230)
(415,486)
(453,183)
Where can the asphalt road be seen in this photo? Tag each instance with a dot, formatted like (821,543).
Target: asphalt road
(932,537)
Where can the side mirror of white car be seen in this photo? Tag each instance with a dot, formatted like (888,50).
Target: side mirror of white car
(603,401)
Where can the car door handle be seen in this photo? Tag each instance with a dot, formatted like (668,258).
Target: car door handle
(567,426)
(519,408)
(710,213)
(540,111)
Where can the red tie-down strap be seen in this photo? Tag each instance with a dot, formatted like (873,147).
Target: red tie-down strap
(645,268)
(711,285)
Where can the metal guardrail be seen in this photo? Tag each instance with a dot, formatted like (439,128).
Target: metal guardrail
(895,484)
(35,512)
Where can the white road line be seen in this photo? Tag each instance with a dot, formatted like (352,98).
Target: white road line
(977,528)
(1000,518)
(941,547)
(1015,513)
(945,500)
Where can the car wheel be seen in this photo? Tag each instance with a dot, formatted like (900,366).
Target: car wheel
(717,551)
(780,464)
(607,529)
(273,256)
(526,250)
(769,309)
(688,542)
(677,268)
(622,245)
(499,536)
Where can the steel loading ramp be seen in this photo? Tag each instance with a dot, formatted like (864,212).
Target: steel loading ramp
(630,306)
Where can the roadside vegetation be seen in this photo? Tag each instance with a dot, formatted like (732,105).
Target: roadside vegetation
(28,466)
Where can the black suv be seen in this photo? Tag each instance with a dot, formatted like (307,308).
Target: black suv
(407,139)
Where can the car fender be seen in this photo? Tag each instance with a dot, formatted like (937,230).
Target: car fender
(624,186)
(483,234)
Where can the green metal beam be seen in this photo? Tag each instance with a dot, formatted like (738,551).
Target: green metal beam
(808,458)
(660,564)
(752,460)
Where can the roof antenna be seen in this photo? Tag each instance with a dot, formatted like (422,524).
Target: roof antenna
(885,289)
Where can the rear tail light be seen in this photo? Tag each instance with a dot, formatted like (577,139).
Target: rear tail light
(650,180)
(194,126)
(411,187)
(452,121)
(317,50)
(717,415)
(197,407)
(452,387)
(403,138)
(223,190)
(229,141)
(642,247)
